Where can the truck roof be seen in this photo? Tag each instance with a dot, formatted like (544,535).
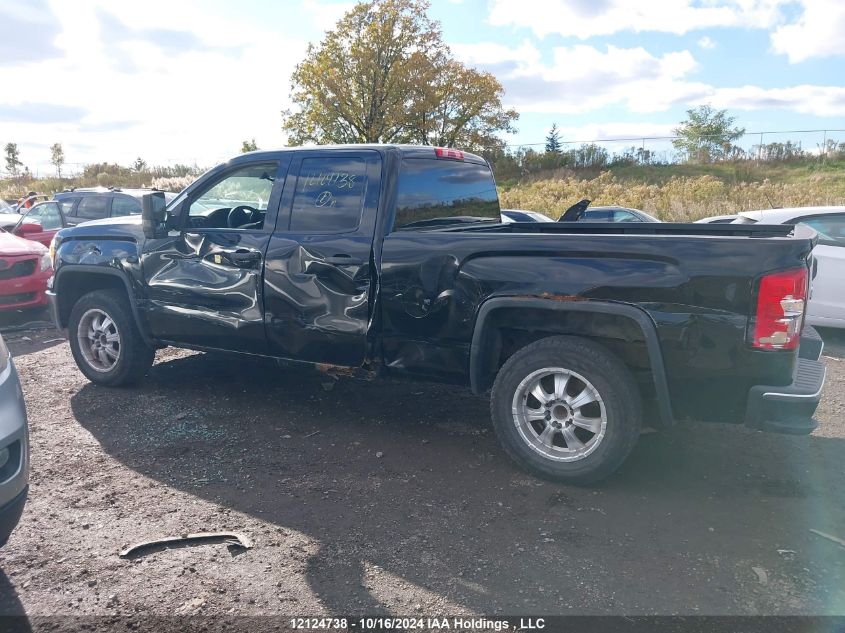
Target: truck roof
(407,151)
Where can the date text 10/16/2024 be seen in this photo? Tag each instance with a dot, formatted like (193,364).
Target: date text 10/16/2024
(419,623)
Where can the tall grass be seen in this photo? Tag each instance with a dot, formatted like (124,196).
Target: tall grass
(678,199)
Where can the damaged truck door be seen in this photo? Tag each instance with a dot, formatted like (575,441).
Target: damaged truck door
(318,276)
(204,279)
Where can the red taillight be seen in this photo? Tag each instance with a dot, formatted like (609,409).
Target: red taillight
(445,152)
(780,309)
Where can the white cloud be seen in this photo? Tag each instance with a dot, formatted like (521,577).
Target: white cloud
(583,78)
(325,15)
(807,99)
(155,91)
(588,18)
(706,42)
(818,32)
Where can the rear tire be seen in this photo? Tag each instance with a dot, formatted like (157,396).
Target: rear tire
(105,341)
(566,409)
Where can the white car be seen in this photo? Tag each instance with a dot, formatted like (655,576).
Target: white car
(827,302)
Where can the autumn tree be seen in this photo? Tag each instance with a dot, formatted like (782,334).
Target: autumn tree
(248,146)
(13,159)
(57,157)
(384,75)
(139,165)
(707,134)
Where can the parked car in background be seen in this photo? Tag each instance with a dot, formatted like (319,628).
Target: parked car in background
(519,215)
(40,223)
(83,205)
(24,270)
(827,300)
(14,446)
(29,200)
(582,212)
(717,219)
(8,216)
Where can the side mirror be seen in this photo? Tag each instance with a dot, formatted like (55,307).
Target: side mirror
(27,228)
(153,215)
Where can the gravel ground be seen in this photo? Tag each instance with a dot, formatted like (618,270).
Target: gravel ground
(395,498)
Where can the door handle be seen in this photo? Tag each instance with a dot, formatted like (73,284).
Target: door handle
(343,260)
(244,257)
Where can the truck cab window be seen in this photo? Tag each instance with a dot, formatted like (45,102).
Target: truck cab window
(436,191)
(237,201)
(329,195)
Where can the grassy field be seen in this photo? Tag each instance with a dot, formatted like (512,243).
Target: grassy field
(685,192)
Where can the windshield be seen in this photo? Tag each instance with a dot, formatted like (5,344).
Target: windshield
(5,207)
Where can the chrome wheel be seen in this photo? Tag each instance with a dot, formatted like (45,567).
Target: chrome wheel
(559,414)
(99,340)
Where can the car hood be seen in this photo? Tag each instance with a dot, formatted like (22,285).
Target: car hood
(9,219)
(13,245)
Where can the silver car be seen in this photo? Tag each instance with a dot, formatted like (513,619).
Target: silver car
(14,446)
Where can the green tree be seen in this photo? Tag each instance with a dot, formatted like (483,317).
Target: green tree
(139,165)
(248,146)
(707,134)
(553,140)
(57,157)
(13,160)
(384,75)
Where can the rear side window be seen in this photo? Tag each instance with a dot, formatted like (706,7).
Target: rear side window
(602,215)
(125,206)
(329,195)
(66,205)
(831,229)
(624,216)
(93,207)
(432,189)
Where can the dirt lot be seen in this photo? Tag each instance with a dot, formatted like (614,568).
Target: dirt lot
(395,498)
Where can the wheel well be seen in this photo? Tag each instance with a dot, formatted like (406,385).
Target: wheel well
(74,285)
(508,330)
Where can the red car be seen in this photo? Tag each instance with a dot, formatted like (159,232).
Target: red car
(25,268)
(41,222)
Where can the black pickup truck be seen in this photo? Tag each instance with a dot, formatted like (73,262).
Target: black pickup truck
(392,261)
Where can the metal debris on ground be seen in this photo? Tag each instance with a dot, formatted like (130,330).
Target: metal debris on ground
(829,537)
(200,538)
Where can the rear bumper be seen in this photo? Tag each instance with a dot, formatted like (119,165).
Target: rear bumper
(790,408)
(14,473)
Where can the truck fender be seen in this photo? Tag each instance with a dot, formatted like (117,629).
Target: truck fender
(482,353)
(90,270)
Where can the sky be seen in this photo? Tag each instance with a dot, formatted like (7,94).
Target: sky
(188,81)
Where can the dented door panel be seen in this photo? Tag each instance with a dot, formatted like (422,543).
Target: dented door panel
(320,285)
(205,289)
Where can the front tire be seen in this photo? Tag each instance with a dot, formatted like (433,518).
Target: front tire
(566,409)
(105,341)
